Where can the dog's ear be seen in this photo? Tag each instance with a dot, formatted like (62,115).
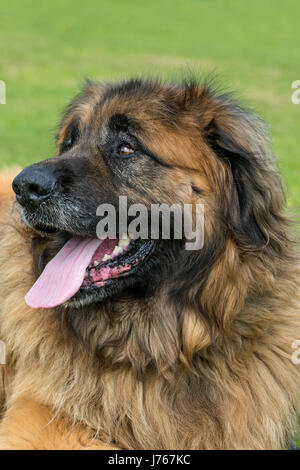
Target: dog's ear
(252,193)
(252,221)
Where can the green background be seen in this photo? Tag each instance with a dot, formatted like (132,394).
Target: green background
(47,48)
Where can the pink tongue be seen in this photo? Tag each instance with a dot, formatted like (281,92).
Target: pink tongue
(64,274)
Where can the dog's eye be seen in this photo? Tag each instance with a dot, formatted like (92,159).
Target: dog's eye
(66,144)
(125,150)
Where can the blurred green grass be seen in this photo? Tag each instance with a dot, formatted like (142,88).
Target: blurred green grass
(48,47)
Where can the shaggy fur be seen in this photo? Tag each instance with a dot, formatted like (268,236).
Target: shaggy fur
(202,360)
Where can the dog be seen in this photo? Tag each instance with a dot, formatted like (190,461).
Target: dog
(126,343)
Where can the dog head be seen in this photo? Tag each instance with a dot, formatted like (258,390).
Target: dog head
(153,143)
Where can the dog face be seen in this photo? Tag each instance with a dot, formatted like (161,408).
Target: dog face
(154,144)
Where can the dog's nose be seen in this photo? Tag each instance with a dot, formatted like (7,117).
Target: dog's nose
(34,185)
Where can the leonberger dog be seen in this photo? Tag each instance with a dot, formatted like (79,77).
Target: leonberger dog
(150,346)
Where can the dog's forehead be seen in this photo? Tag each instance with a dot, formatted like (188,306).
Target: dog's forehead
(143,107)
(154,112)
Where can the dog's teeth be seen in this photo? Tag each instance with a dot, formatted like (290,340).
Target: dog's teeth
(106,257)
(96,263)
(124,241)
(126,236)
(117,251)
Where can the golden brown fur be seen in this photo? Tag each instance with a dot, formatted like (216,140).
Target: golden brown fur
(222,379)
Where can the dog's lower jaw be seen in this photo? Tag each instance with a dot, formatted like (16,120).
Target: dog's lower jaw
(80,303)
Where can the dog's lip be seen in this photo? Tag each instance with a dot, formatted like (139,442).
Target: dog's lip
(39,226)
(121,266)
(45,229)
(48,230)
